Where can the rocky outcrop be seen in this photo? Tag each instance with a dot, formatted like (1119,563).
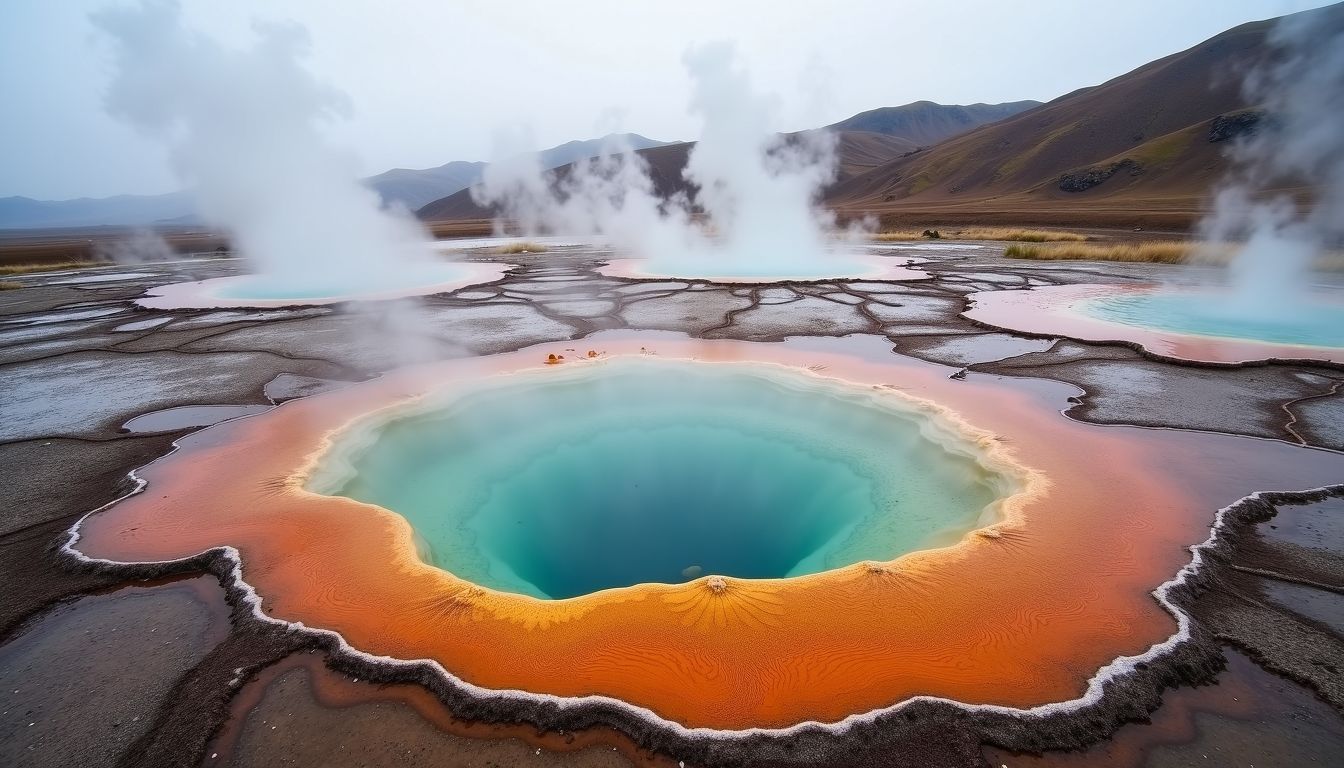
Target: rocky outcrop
(1087,178)
(1235,125)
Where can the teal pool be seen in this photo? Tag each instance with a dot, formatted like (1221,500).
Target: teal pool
(315,285)
(1309,322)
(590,476)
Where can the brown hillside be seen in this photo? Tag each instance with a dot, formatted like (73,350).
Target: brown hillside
(1141,145)
(862,151)
(926,123)
(858,152)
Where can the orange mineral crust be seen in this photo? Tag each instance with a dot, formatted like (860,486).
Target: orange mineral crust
(1052,311)
(1021,613)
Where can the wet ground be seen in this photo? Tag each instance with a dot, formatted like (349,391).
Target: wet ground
(100,669)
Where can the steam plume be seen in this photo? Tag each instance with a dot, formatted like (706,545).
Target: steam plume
(755,189)
(243,129)
(1299,141)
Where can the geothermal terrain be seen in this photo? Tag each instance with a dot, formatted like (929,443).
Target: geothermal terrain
(166,665)
(757,450)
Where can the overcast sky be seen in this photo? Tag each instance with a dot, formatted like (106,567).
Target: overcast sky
(432,81)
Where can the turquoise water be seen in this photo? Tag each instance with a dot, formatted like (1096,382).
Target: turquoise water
(1310,322)
(314,284)
(592,476)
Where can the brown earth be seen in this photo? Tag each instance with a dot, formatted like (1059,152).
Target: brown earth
(1143,149)
(49,246)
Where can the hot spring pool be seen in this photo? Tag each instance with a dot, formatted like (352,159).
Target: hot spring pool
(1310,323)
(319,286)
(282,290)
(633,470)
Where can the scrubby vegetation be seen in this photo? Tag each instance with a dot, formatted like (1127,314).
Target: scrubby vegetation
(1152,252)
(1166,252)
(984,233)
(1017,235)
(9,285)
(23,269)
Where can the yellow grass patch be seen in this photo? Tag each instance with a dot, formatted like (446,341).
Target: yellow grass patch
(1018,235)
(985,233)
(9,285)
(1167,252)
(1154,252)
(23,269)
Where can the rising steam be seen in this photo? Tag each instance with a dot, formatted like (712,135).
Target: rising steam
(243,129)
(754,191)
(1298,142)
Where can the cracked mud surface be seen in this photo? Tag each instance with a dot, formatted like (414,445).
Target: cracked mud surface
(78,361)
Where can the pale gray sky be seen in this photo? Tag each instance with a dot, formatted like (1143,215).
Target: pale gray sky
(432,81)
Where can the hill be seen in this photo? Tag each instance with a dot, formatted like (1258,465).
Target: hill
(414,188)
(574,151)
(411,188)
(924,122)
(124,210)
(858,153)
(1141,149)
(859,149)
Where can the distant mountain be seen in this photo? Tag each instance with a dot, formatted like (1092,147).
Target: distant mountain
(1141,149)
(574,151)
(413,188)
(665,162)
(865,141)
(410,188)
(125,210)
(924,122)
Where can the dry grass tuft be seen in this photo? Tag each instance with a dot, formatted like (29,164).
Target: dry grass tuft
(523,247)
(1153,252)
(985,233)
(24,269)
(1331,261)
(1017,235)
(10,285)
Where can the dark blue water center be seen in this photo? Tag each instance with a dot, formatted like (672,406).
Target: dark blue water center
(634,470)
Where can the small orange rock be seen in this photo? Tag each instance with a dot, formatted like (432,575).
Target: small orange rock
(592,353)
